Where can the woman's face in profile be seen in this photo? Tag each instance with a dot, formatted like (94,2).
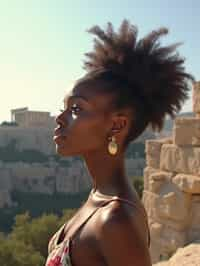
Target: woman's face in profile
(84,124)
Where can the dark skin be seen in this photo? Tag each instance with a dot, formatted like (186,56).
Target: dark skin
(116,234)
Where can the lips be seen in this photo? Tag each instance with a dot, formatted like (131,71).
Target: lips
(58,135)
(60,131)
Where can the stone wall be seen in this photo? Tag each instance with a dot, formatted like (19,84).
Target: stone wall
(171,193)
(34,138)
(42,178)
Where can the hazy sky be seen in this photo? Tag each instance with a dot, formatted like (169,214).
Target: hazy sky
(42,43)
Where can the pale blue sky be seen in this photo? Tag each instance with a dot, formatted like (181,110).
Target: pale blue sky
(42,43)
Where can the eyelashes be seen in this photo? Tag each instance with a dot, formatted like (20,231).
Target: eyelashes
(73,109)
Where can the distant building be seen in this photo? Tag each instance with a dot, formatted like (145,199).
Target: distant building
(25,118)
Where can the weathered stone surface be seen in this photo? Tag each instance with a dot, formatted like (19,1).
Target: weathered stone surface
(196,97)
(147,172)
(194,227)
(165,241)
(185,256)
(149,199)
(172,190)
(44,178)
(173,204)
(156,229)
(152,150)
(187,183)
(38,139)
(170,207)
(157,179)
(180,159)
(186,131)
(171,240)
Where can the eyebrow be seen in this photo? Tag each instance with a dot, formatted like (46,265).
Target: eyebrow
(66,99)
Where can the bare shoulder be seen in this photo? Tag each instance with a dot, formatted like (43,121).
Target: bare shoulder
(120,236)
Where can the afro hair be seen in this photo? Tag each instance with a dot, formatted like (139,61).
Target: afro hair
(145,75)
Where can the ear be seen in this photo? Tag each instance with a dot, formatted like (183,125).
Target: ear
(119,124)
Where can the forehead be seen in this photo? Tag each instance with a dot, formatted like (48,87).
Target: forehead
(95,95)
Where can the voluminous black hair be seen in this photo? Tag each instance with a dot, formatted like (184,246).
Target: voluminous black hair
(144,75)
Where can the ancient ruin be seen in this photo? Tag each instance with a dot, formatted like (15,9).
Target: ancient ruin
(171,193)
(26,118)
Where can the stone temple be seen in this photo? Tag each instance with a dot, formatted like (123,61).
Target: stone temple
(26,118)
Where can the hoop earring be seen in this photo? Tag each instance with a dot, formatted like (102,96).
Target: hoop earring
(112,146)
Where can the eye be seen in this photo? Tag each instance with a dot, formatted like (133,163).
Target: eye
(75,108)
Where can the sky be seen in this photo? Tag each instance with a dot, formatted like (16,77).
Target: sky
(42,43)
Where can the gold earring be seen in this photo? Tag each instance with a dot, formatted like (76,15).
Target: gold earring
(112,146)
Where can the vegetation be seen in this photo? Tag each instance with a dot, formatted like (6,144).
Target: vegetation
(27,243)
(28,232)
(138,184)
(9,153)
(37,204)
(6,123)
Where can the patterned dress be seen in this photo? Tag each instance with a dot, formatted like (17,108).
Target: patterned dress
(59,253)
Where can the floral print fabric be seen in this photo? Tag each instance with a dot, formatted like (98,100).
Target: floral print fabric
(58,254)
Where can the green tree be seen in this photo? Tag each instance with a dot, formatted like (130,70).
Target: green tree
(138,184)
(17,253)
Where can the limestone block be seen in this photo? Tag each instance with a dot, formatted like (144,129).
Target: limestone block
(187,256)
(186,131)
(171,239)
(146,173)
(180,159)
(173,204)
(157,179)
(152,150)
(195,214)
(155,230)
(187,183)
(196,97)
(166,243)
(155,248)
(149,201)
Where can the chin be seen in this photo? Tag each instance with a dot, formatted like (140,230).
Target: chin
(61,150)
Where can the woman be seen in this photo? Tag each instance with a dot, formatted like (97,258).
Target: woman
(129,84)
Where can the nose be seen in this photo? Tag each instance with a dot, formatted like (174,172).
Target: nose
(59,120)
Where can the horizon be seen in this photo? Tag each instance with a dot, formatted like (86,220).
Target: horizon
(43,44)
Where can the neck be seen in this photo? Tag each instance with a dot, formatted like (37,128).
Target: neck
(108,173)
